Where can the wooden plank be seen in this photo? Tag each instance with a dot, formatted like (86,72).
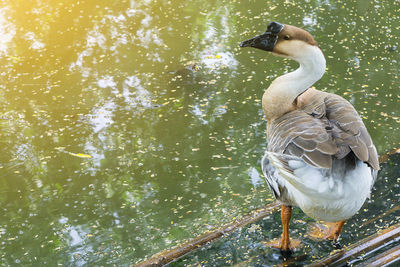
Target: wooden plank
(167,256)
(384,157)
(170,255)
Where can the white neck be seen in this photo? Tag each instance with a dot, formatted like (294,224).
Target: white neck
(286,88)
(312,67)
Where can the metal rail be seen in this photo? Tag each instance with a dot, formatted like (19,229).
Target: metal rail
(361,248)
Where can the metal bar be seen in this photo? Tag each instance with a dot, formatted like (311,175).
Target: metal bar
(387,257)
(362,247)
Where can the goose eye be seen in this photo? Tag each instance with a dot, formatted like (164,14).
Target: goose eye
(286,37)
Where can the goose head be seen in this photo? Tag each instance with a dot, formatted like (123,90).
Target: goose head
(293,43)
(284,40)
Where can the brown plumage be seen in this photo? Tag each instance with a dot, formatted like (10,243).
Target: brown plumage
(320,156)
(324,127)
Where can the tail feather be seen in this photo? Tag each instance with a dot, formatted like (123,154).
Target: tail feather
(271,176)
(280,169)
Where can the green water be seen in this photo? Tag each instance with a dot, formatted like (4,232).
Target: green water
(129,126)
(247,245)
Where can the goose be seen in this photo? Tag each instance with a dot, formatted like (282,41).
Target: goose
(320,156)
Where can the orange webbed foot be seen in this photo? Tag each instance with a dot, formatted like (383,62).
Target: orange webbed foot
(326,231)
(292,245)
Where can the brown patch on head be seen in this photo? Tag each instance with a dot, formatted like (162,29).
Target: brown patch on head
(293,33)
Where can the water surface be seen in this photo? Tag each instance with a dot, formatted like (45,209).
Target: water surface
(129,126)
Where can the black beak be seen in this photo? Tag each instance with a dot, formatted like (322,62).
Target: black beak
(267,40)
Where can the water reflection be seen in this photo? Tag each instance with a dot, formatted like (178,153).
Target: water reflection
(128,126)
(7,32)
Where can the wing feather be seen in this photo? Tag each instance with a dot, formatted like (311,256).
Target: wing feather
(325,128)
(352,131)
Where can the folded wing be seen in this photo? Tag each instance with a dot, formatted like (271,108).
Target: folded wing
(328,127)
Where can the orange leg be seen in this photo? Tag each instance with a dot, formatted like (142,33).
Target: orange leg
(286,213)
(286,245)
(335,230)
